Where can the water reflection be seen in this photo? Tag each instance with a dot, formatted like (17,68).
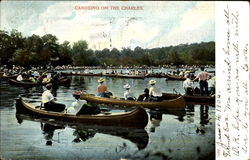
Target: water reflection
(82,132)
(83,135)
(204,119)
(48,131)
(155,119)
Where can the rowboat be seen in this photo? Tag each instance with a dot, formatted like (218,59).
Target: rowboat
(174,77)
(130,76)
(192,99)
(156,75)
(137,118)
(109,75)
(62,82)
(8,77)
(137,136)
(173,104)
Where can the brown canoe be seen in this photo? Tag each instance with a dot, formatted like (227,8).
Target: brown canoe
(109,75)
(8,77)
(130,76)
(136,118)
(62,82)
(194,99)
(174,77)
(173,104)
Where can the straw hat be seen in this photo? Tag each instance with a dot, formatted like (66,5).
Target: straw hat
(187,72)
(48,86)
(152,82)
(127,86)
(101,80)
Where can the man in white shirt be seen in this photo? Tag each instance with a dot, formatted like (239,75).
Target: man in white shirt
(155,93)
(128,95)
(48,101)
(188,85)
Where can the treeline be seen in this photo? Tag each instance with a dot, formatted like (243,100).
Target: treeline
(15,49)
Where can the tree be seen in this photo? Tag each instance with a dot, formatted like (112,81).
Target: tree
(6,49)
(65,53)
(49,53)
(79,49)
(17,39)
(22,57)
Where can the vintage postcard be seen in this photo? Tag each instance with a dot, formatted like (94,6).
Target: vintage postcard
(124,80)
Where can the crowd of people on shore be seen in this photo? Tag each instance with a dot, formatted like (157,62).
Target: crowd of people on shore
(12,68)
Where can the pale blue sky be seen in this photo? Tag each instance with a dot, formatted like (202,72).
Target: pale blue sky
(158,24)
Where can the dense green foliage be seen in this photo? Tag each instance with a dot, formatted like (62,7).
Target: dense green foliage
(36,50)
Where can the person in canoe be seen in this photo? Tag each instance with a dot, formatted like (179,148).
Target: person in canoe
(48,101)
(211,86)
(203,76)
(19,77)
(128,95)
(188,85)
(32,78)
(80,107)
(155,93)
(102,89)
(145,96)
(77,104)
(45,79)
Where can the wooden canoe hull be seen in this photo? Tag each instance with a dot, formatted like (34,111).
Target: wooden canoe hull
(109,75)
(131,76)
(174,77)
(195,99)
(8,77)
(64,81)
(174,104)
(136,118)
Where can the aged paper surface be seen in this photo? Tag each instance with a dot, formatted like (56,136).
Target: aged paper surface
(232,68)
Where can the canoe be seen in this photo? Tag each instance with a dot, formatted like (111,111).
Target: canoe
(174,77)
(81,74)
(136,118)
(130,76)
(156,75)
(173,104)
(62,82)
(8,77)
(192,99)
(137,136)
(109,75)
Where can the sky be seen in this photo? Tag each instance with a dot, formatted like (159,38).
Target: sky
(153,24)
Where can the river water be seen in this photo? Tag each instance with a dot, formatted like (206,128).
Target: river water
(179,135)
